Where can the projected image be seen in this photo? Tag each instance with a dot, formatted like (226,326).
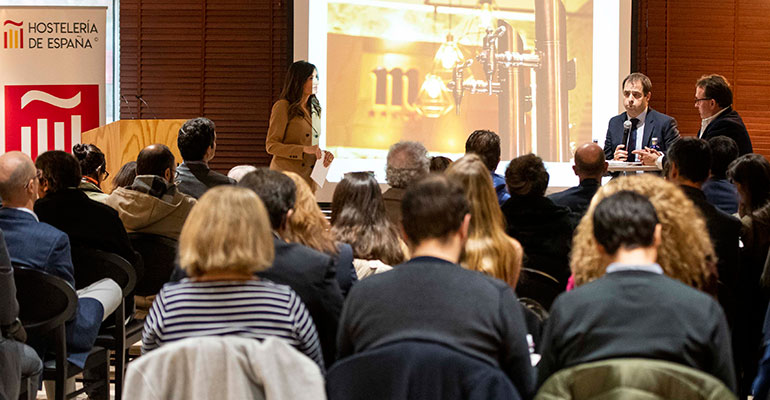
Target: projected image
(433,71)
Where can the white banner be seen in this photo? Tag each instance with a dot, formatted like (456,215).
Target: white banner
(52,69)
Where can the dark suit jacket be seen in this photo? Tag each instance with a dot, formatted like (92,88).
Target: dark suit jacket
(346,272)
(392,198)
(724,231)
(88,223)
(430,299)
(195,178)
(729,124)
(722,194)
(637,314)
(656,125)
(577,198)
(312,275)
(9,307)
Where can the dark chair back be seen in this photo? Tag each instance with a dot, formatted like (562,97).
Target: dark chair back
(538,286)
(159,255)
(91,265)
(45,301)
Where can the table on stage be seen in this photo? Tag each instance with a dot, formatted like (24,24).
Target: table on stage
(622,166)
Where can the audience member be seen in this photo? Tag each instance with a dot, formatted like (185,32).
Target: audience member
(628,312)
(714,101)
(486,144)
(308,272)
(751,174)
(308,226)
(125,176)
(40,246)
(407,162)
(543,228)
(197,143)
(590,166)
(152,204)
(434,299)
(225,240)
(718,189)
(488,249)
(93,166)
(67,209)
(690,161)
(760,388)
(359,219)
(239,171)
(439,164)
(17,360)
(685,253)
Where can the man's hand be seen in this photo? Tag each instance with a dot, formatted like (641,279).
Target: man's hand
(620,154)
(328,158)
(648,155)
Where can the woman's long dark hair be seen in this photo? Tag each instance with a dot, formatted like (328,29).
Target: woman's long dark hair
(293,86)
(358,218)
(91,159)
(752,171)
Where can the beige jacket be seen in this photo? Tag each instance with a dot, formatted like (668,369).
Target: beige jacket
(141,212)
(286,139)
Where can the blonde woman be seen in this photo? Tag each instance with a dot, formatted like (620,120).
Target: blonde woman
(308,226)
(224,241)
(488,248)
(685,254)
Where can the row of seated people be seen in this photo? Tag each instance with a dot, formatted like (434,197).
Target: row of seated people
(358,221)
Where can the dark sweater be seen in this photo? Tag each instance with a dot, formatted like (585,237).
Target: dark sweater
(434,300)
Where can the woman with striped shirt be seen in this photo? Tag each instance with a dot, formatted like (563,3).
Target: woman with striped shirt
(224,241)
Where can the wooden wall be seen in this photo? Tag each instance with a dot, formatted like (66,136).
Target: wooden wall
(680,40)
(222,59)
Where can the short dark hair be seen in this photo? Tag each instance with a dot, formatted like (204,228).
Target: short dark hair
(625,219)
(275,189)
(692,157)
(723,151)
(439,163)
(91,159)
(486,144)
(60,169)
(195,137)
(716,87)
(641,78)
(154,160)
(526,175)
(433,208)
(752,171)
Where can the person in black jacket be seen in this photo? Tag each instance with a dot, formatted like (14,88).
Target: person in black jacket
(714,101)
(197,142)
(590,166)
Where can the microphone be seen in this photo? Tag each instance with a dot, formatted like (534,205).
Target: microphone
(146,105)
(133,116)
(626,133)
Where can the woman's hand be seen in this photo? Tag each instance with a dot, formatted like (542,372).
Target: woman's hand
(313,150)
(328,158)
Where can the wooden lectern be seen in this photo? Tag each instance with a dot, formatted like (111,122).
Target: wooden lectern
(121,141)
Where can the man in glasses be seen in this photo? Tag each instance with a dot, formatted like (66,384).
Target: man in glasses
(714,101)
(645,126)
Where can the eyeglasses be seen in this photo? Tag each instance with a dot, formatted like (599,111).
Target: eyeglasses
(702,99)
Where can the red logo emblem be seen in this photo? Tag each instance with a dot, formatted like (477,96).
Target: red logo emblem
(49,117)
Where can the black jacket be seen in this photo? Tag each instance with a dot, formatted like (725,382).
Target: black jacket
(729,124)
(577,198)
(195,178)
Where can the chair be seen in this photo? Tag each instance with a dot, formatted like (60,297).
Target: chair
(159,255)
(46,303)
(416,370)
(538,286)
(121,336)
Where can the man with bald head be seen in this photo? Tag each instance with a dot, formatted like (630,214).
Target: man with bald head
(152,204)
(590,166)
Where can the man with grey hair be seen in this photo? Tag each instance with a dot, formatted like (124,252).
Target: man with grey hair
(407,163)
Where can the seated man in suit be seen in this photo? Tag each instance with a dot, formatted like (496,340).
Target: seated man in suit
(646,124)
(714,101)
(152,204)
(689,163)
(590,166)
(197,143)
(308,272)
(718,189)
(40,246)
(634,310)
(407,162)
(486,144)
(432,298)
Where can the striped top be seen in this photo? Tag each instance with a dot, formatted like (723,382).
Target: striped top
(252,309)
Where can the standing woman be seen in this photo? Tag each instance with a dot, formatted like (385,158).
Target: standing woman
(292,137)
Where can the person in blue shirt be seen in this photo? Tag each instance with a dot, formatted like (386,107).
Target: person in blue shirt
(486,144)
